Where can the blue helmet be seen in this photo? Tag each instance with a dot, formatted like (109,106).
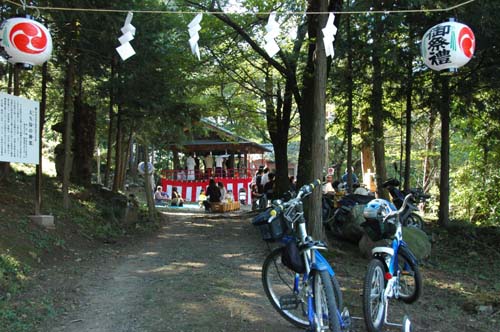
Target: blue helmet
(377,209)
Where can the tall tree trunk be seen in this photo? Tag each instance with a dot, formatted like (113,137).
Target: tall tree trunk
(409,91)
(68,124)
(444,179)
(278,123)
(148,185)
(109,153)
(429,140)
(366,151)
(312,116)
(125,159)
(84,128)
(43,109)
(118,151)
(350,88)
(376,107)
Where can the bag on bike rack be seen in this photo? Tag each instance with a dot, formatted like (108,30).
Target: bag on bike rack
(273,231)
(290,256)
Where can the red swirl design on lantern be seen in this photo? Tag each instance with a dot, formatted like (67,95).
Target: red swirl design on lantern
(467,41)
(28,38)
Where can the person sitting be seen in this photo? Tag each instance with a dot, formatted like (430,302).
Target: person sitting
(160,197)
(201,198)
(230,196)
(213,194)
(223,192)
(256,197)
(328,188)
(177,200)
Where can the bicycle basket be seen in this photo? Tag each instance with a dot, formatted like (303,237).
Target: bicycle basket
(270,231)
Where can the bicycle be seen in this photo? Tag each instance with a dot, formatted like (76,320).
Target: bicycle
(298,281)
(393,271)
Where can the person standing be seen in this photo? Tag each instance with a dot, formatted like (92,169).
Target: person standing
(265,177)
(219,161)
(190,164)
(209,165)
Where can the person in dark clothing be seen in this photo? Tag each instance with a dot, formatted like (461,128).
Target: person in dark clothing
(213,194)
(269,187)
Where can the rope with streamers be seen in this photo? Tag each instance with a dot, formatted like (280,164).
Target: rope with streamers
(356,12)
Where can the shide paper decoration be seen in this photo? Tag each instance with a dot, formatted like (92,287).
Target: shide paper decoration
(273,30)
(329,32)
(25,41)
(448,45)
(193,28)
(126,50)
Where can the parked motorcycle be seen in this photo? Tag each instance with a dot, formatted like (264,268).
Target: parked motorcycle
(409,218)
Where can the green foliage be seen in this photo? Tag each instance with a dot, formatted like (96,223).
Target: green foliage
(24,316)
(12,274)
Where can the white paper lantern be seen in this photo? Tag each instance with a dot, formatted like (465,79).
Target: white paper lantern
(142,168)
(448,45)
(25,41)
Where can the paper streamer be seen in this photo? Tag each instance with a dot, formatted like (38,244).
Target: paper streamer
(273,31)
(329,32)
(193,28)
(126,50)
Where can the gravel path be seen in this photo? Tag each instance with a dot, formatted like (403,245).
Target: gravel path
(199,273)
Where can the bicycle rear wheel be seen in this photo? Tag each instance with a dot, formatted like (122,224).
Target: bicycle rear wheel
(280,284)
(373,296)
(325,307)
(410,279)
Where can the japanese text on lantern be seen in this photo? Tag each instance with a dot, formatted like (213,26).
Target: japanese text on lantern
(439,45)
(19,136)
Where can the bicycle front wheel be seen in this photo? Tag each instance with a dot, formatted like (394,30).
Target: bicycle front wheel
(373,296)
(281,284)
(410,279)
(325,306)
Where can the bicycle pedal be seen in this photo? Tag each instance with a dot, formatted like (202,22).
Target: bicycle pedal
(289,302)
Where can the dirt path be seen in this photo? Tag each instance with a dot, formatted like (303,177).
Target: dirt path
(197,274)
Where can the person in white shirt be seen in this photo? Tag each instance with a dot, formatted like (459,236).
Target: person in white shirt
(219,161)
(265,177)
(223,192)
(328,188)
(190,163)
(209,165)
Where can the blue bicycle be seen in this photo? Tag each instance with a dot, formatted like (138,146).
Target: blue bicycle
(393,271)
(298,281)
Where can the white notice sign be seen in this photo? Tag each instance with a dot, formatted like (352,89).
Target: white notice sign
(19,136)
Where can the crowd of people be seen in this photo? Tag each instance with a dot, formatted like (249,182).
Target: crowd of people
(208,166)
(262,188)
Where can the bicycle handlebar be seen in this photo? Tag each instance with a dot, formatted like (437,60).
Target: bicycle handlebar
(401,209)
(303,192)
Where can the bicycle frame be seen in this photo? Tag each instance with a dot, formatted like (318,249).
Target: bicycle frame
(389,257)
(313,261)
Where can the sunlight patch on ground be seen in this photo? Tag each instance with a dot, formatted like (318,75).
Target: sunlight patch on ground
(166,236)
(232,255)
(174,267)
(202,225)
